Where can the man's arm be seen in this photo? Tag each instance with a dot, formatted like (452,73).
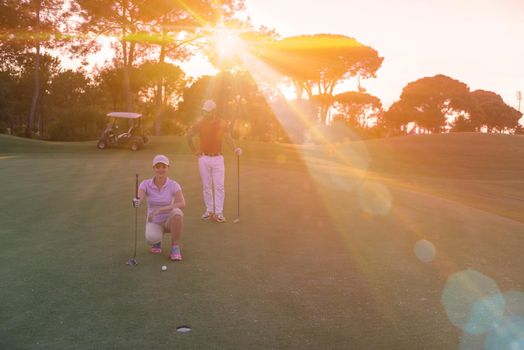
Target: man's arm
(231,142)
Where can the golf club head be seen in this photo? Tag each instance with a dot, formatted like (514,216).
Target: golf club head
(237,220)
(132,262)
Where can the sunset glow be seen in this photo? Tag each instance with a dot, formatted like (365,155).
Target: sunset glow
(478,42)
(226,42)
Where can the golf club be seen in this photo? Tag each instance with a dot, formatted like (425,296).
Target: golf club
(133,262)
(237,219)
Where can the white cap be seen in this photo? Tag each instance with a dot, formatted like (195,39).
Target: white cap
(209,106)
(160,158)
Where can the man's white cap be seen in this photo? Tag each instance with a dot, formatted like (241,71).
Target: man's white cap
(209,106)
(160,158)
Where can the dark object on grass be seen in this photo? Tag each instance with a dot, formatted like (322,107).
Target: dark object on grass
(132,262)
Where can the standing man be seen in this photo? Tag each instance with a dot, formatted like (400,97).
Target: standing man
(212,131)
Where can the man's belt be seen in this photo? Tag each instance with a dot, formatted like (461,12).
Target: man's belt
(211,154)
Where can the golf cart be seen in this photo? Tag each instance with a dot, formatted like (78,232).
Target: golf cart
(134,136)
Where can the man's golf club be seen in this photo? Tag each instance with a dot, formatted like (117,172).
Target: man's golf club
(133,262)
(237,219)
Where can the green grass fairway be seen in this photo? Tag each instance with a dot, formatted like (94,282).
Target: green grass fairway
(323,258)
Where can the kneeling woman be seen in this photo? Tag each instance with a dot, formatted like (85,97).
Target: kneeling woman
(165,202)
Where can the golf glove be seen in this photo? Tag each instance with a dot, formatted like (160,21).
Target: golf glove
(238,151)
(136,202)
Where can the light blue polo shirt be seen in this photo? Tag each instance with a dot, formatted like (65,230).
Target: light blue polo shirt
(157,198)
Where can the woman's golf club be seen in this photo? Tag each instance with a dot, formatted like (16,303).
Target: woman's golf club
(133,262)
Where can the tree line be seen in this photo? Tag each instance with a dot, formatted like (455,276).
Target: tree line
(40,98)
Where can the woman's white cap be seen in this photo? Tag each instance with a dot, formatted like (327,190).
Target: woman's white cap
(160,158)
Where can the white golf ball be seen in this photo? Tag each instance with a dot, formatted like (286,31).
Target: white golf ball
(164,267)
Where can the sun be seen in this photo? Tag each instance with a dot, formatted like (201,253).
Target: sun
(227,43)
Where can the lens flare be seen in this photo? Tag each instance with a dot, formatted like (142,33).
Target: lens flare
(425,250)
(473,302)
(472,342)
(508,336)
(514,302)
(374,198)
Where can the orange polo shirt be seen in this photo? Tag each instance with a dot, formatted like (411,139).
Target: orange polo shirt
(212,131)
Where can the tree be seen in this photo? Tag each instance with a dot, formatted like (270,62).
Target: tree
(232,44)
(49,66)
(126,20)
(110,81)
(172,78)
(239,100)
(178,25)
(31,26)
(359,108)
(12,24)
(492,113)
(317,63)
(170,41)
(397,117)
(7,89)
(429,102)
(67,88)
(150,28)
(73,112)
(462,124)
(155,81)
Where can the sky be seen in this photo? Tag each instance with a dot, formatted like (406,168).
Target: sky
(479,42)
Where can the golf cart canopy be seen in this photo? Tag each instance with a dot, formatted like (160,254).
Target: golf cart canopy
(127,115)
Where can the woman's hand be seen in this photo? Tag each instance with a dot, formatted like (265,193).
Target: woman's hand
(136,202)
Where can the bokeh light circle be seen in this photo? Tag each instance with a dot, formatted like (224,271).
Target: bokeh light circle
(473,302)
(514,302)
(508,336)
(425,250)
(374,198)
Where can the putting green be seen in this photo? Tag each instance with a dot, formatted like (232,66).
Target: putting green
(324,255)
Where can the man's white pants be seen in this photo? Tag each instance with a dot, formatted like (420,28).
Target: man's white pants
(212,174)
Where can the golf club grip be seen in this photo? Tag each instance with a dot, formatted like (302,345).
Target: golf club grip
(136,186)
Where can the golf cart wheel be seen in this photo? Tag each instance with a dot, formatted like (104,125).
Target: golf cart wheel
(101,144)
(135,146)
